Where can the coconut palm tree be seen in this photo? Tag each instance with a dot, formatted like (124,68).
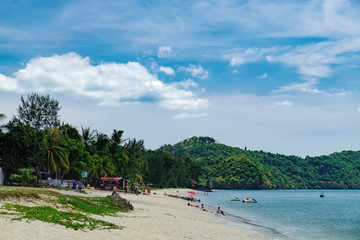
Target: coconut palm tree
(2,116)
(88,138)
(56,155)
(116,136)
(101,167)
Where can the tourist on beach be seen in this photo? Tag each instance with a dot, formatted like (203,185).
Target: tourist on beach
(191,205)
(219,211)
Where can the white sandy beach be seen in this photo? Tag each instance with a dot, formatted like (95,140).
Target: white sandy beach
(156,216)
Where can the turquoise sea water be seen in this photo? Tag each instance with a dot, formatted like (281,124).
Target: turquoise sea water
(294,214)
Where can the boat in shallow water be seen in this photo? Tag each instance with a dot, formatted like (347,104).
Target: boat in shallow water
(247,200)
(235,199)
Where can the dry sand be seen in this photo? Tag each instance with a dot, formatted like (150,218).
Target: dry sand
(156,216)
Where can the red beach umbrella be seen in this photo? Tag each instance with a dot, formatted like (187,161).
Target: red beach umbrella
(192,192)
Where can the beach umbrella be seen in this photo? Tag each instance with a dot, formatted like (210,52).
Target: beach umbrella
(191,192)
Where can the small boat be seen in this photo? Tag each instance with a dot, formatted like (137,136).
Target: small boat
(322,195)
(235,199)
(247,200)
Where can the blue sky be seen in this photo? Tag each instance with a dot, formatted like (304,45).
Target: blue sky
(278,76)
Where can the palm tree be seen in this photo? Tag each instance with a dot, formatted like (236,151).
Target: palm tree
(2,116)
(116,136)
(88,138)
(54,152)
(134,162)
(101,167)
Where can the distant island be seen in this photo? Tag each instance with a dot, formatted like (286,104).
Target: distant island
(227,167)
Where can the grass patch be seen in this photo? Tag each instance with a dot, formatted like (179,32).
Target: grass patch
(70,189)
(11,194)
(51,215)
(78,207)
(97,205)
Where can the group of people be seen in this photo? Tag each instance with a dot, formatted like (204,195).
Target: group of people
(76,185)
(218,210)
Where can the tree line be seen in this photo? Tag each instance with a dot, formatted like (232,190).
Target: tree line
(36,139)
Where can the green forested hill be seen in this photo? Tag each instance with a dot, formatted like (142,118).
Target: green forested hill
(230,167)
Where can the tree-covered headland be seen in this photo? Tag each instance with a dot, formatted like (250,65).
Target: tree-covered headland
(234,168)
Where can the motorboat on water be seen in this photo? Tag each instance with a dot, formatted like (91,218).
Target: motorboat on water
(322,195)
(247,200)
(235,199)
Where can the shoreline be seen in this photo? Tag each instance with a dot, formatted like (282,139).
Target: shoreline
(155,216)
(242,223)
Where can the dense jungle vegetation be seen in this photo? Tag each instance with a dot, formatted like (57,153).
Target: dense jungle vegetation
(36,141)
(234,168)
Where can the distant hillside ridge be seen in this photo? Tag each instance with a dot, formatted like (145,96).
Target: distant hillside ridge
(229,167)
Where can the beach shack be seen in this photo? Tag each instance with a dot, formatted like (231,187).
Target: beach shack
(2,175)
(109,182)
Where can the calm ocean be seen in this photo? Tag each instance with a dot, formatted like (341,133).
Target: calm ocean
(292,214)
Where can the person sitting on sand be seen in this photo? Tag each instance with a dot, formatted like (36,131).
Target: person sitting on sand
(203,208)
(219,211)
(191,205)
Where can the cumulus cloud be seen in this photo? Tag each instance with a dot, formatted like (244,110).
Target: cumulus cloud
(167,70)
(196,71)
(109,83)
(189,115)
(164,52)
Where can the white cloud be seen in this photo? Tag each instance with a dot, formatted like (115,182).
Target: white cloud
(240,56)
(189,115)
(109,83)
(186,84)
(8,84)
(308,86)
(285,103)
(196,71)
(237,60)
(164,52)
(313,61)
(263,76)
(167,70)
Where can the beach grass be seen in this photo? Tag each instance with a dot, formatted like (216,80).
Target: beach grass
(67,210)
